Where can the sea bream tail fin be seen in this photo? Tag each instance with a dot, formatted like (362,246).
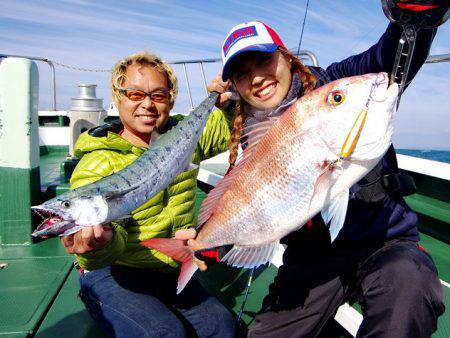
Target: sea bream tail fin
(334,214)
(250,256)
(180,252)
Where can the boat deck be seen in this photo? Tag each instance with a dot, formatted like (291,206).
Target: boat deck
(40,286)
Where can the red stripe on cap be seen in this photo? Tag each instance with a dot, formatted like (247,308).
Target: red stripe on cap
(416,8)
(276,39)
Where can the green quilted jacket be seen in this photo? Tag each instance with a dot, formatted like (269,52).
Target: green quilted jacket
(103,152)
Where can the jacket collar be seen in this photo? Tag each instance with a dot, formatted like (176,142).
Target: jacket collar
(116,127)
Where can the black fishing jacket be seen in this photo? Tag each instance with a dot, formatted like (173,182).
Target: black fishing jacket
(376,212)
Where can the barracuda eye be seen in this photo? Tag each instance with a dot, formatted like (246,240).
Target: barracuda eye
(65,204)
(336,97)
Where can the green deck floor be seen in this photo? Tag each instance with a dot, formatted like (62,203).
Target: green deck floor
(31,280)
(49,162)
(67,317)
(440,252)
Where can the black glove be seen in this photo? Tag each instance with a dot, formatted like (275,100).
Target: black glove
(430,13)
(421,5)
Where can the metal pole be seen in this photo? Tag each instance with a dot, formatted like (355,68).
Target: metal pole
(52,67)
(306,53)
(247,289)
(204,78)
(310,55)
(188,87)
(438,58)
(53,85)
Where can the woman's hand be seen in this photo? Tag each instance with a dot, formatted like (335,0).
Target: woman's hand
(223,88)
(189,235)
(435,11)
(88,239)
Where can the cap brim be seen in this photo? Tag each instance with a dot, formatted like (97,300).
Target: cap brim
(263,48)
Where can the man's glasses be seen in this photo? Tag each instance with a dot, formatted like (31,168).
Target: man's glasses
(159,96)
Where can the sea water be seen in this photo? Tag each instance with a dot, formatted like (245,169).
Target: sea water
(435,155)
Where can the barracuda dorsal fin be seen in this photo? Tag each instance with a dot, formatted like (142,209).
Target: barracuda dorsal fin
(118,193)
(249,257)
(334,214)
(253,137)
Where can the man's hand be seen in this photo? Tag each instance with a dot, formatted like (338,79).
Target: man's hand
(189,235)
(223,88)
(88,239)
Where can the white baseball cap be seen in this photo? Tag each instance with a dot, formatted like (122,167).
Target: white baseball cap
(246,37)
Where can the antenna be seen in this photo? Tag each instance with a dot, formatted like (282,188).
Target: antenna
(303,27)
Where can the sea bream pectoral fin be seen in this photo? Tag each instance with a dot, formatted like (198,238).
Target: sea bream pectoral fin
(250,256)
(334,214)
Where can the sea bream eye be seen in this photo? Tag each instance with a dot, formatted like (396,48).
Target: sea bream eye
(336,97)
(65,204)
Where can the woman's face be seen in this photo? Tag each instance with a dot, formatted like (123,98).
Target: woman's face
(262,79)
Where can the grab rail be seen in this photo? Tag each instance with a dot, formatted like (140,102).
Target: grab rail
(52,67)
(304,55)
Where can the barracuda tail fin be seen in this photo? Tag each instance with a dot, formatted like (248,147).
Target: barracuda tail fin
(180,252)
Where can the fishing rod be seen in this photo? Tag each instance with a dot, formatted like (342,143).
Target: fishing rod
(412,18)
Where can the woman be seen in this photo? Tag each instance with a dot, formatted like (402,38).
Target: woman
(375,258)
(129,289)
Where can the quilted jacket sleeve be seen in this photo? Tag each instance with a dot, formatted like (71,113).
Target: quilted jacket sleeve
(92,167)
(380,57)
(216,135)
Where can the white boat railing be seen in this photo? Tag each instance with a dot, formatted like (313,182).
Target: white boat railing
(52,68)
(306,56)
(438,58)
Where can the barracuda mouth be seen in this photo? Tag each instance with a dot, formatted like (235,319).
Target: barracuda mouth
(52,223)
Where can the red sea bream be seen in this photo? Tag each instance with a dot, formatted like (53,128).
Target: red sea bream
(294,167)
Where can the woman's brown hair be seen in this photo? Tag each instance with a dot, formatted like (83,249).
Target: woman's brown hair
(308,83)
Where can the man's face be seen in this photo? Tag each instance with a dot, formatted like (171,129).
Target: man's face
(262,79)
(141,117)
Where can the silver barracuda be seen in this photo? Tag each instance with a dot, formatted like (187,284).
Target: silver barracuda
(294,167)
(114,197)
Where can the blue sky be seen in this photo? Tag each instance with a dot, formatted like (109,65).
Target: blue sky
(95,34)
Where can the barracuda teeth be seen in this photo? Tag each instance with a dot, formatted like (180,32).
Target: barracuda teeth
(47,218)
(39,214)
